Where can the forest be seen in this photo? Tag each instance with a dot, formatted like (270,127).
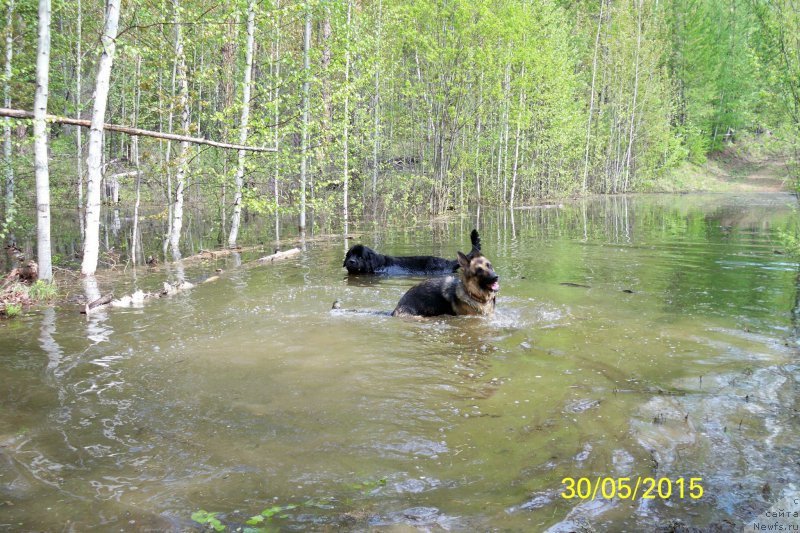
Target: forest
(354,108)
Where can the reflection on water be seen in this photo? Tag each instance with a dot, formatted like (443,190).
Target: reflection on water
(634,337)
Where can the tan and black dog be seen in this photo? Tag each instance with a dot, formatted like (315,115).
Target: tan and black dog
(471,291)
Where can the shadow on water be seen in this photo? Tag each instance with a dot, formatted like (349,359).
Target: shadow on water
(634,337)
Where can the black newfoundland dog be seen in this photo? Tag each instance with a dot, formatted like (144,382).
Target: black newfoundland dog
(363,260)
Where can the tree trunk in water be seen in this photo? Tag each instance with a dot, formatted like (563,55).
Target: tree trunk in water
(78,89)
(304,142)
(327,107)
(516,143)
(277,114)
(136,159)
(248,70)
(346,177)
(180,173)
(7,124)
(635,94)
(377,117)
(93,161)
(40,144)
(591,101)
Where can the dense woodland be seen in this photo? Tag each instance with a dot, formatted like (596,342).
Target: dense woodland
(373,106)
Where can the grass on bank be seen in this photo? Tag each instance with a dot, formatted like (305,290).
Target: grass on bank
(17,296)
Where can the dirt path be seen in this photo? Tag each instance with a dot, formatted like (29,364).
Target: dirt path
(769,175)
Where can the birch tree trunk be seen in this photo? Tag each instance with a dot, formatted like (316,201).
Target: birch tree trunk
(376,112)
(40,145)
(7,103)
(516,142)
(327,106)
(78,103)
(180,173)
(591,100)
(136,158)
(91,248)
(277,99)
(248,72)
(306,102)
(635,94)
(346,123)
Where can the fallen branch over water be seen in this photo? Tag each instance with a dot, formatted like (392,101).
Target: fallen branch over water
(19,113)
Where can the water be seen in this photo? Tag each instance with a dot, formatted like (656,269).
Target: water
(634,337)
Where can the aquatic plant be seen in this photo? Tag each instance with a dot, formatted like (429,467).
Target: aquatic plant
(42,290)
(11,310)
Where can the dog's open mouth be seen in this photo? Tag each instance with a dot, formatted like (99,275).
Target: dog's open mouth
(492,284)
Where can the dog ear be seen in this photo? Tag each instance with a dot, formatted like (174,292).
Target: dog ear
(463,261)
(371,259)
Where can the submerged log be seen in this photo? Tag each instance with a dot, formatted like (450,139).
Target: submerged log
(277,256)
(100,302)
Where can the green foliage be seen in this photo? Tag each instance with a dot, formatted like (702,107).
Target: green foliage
(208,519)
(697,144)
(11,310)
(789,237)
(458,101)
(42,290)
(369,485)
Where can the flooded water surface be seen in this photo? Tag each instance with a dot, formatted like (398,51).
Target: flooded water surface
(635,337)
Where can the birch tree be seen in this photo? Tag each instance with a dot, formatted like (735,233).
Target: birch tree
(91,247)
(346,122)
(277,112)
(591,99)
(248,72)
(78,89)
(7,103)
(40,146)
(180,174)
(306,103)
(136,103)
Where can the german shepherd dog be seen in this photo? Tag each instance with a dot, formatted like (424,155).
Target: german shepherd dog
(363,260)
(470,292)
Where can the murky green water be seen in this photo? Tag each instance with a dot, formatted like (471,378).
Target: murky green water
(674,357)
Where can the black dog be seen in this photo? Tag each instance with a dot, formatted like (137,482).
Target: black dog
(471,292)
(363,260)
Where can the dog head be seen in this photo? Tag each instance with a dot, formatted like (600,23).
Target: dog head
(362,260)
(480,279)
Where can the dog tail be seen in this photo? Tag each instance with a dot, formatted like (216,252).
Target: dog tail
(476,241)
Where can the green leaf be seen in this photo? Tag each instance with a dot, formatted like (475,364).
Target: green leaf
(255,520)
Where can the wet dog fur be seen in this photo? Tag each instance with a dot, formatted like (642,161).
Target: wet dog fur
(472,291)
(363,260)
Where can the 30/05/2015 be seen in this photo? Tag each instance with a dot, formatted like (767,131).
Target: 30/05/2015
(627,488)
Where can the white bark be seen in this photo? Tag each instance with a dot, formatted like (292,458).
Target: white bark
(248,73)
(376,113)
(91,247)
(635,95)
(41,144)
(180,173)
(516,142)
(591,100)
(136,159)
(346,184)
(277,82)
(78,88)
(304,143)
(7,103)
